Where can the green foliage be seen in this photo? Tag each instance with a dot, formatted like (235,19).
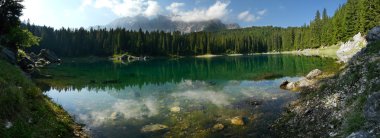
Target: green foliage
(22,38)
(11,35)
(354,122)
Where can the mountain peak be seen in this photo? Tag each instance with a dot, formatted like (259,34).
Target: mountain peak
(165,23)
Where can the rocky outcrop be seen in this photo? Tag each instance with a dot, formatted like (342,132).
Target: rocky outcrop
(49,56)
(345,105)
(8,55)
(45,57)
(313,74)
(350,48)
(154,128)
(373,34)
(129,58)
(308,81)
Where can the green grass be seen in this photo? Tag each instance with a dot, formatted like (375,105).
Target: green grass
(373,47)
(31,113)
(354,122)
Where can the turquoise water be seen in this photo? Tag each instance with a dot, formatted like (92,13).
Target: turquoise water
(188,95)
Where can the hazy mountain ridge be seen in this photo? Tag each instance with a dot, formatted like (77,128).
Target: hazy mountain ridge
(165,23)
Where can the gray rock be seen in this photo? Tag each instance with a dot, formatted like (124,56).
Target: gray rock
(359,134)
(313,74)
(49,56)
(373,35)
(286,85)
(8,55)
(154,128)
(351,48)
(33,57)
(116,116)
(372,108)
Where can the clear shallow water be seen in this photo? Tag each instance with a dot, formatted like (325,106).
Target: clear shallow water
(118,100)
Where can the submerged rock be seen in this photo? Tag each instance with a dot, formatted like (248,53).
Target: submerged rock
(218,126)
(247,103)
(154,128)
(116,115)
(238,121)
(175,109)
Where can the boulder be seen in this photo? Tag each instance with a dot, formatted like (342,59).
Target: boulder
(372,108)
(286,85)
(313,74)
(33,57)
(8,55)
(116,115)
(175,109)
(154,128)
(373,35)
(49,56)
(305,83)
(238,121)
(41,62)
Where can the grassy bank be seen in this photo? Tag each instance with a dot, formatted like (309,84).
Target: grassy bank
(327,51)
(26,112)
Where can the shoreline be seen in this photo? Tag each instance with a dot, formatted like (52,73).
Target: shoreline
(326,51)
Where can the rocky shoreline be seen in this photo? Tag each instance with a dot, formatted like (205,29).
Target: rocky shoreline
(344,105)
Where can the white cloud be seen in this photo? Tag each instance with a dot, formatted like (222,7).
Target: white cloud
(247,16)
(217,11)
(33,9)
(175,7)
(84,4)
(128,8)
(262,12)
(152,9)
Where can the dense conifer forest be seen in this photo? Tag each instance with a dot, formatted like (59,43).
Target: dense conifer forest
(353,17)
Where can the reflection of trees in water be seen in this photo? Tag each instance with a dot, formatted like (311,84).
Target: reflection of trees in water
(103,74)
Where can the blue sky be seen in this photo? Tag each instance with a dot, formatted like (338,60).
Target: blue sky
(85,13)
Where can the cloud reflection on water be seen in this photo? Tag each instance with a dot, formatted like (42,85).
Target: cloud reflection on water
(124,108)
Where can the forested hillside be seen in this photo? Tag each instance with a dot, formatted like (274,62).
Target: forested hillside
(353,17)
